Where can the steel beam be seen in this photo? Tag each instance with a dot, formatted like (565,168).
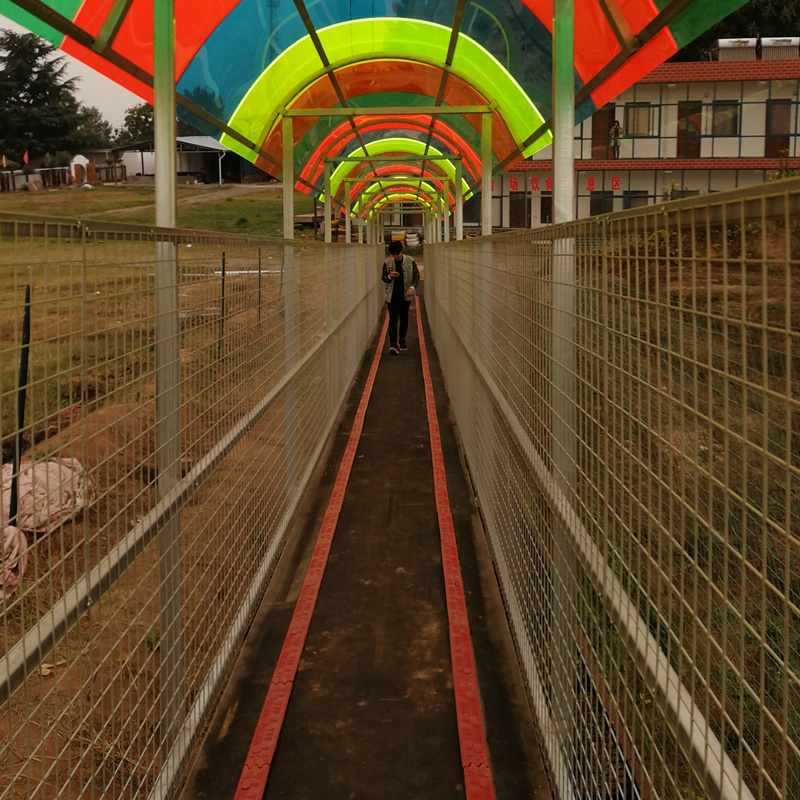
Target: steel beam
(383,110)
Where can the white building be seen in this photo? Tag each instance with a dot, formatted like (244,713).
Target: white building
(688,128)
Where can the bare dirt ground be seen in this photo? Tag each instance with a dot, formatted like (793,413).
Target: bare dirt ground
(231,190)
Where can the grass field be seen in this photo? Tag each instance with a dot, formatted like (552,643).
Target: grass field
(259,211)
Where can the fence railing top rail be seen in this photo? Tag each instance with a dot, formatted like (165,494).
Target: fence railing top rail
(72,227)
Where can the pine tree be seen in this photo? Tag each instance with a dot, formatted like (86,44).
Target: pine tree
(38,111)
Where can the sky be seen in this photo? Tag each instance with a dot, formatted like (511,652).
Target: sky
(93,89)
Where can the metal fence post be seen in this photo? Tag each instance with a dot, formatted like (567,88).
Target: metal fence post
(328,212)
(288,177)
(167,351)
(486,175)
(562,376)
(459,202)
(289,307)
(222,309)
(446,209)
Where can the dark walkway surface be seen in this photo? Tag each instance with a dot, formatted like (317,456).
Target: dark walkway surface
(372,711)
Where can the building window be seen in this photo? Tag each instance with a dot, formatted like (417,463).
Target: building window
(412,221)
(546,208)
(725,119)
(635,199)
(639,119)
(519,210)
(601,203)
(472,209)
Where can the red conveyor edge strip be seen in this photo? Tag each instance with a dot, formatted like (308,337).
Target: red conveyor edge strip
(472,739)
(254,775)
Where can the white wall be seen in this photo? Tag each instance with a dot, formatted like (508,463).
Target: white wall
(133,163)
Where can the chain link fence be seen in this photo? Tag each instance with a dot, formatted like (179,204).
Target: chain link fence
(627,390)
(155,447)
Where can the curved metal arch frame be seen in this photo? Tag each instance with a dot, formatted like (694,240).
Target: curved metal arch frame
(369,192)
(380,206)
(388,173)
(291,96)
(362,177)
(425,190)
(399,196)
(398,154)
(314,167)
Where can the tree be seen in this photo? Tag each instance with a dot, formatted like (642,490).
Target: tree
(756,18)
(137,125)
(209,101)
(94,131)
(38,111)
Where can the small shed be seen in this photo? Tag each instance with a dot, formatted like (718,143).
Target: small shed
(200,159)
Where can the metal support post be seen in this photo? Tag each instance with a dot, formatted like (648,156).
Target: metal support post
(348,221)
(486,175)
(327,185)
(459,202)
(563,647)
(288,178)
(167,352)
(446,209)
(290,356)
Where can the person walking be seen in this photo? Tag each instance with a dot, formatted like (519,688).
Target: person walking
(401,276)
(614,135)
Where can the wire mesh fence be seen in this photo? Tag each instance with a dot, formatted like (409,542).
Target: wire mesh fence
(151,495)
(638,472)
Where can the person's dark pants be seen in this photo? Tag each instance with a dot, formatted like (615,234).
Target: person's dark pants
(398,311)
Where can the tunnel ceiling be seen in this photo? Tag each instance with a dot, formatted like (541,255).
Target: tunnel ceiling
(240,64)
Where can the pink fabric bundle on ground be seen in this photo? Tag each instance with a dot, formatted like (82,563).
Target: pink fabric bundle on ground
(14,559)
(49,493)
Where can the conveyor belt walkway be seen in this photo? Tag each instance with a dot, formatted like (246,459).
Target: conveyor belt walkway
(379,664)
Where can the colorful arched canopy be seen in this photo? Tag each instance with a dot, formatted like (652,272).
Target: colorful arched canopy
(240,65)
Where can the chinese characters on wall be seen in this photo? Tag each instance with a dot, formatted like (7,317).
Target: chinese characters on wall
(536,184)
